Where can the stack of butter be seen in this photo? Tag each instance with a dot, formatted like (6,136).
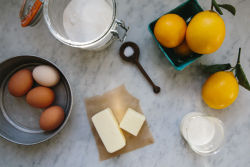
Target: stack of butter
(110,131)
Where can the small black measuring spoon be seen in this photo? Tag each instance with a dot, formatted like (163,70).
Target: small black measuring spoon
(134,58)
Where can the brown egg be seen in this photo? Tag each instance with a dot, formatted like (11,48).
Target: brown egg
(40,97)
(20,83)
(51,118)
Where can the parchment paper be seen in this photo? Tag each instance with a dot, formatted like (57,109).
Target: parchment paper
(119,100)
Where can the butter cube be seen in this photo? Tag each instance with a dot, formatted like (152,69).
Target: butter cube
(108,130)
(132,121)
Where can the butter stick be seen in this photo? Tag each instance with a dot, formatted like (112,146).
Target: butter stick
(132,122)
(108,130)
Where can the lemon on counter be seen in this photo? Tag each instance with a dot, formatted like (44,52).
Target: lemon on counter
(170,30)
(220,90)
(205,32)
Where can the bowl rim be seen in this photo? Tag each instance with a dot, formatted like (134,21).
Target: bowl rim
(70,108)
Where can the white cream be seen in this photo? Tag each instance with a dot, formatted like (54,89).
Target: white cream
(197,129)
(204,134)
(200,131)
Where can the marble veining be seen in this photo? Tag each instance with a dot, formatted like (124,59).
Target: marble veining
(92,73)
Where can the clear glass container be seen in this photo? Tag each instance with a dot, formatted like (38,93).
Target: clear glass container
(204,134)
(53,14)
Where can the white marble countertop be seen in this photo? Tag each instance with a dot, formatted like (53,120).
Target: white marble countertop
(92,73)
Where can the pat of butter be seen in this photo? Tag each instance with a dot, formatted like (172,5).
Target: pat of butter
(108,130)
(132,122)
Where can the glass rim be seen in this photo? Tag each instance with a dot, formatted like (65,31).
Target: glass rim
(205,117)
(215,150)
(74,43)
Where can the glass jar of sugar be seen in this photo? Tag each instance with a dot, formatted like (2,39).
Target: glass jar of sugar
(204,134)
(90,25)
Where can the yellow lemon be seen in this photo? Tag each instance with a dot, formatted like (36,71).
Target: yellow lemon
(170,30)
(182,49)
(220,90)
(205,32)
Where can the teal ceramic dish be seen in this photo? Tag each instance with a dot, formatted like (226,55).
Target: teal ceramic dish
(186,10)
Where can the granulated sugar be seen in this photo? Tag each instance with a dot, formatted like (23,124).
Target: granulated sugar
(85,20)
(129,51)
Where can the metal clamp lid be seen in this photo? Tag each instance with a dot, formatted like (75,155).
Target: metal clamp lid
(116,33)
(30,12)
